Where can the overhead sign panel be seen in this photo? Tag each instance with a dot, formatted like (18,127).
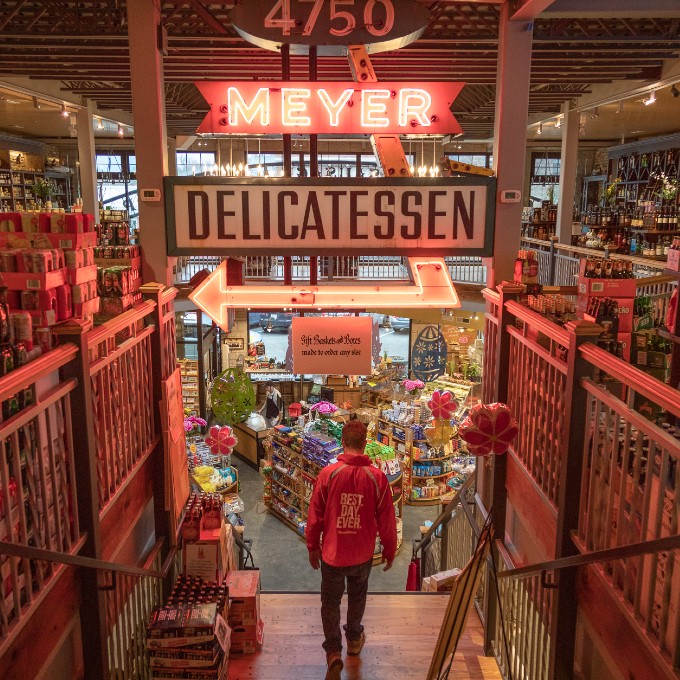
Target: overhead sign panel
(276,107)
(332,345)
(330,25)
(410,216)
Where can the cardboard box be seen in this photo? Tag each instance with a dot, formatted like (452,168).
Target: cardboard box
(247,640)
(204,557)
(26,281)
(441,581)
(244,596)
(673,260)
(82,274)
(613,288)
(66,241)
(622,323)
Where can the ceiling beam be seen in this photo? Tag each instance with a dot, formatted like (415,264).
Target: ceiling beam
(528,10)
(614,9)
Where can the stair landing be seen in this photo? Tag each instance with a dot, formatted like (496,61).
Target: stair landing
(401,632)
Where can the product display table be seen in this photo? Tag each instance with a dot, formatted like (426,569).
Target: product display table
(249,447)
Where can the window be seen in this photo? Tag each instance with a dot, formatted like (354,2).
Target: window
(194,162)
(117,184)
(483,160)
(330,165)
(545,176)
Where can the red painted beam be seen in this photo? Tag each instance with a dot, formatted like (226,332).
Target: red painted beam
(530,9)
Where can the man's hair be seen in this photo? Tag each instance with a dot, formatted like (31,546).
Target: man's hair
(269,383)
(354,435)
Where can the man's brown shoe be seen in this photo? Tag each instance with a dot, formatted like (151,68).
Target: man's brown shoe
(354,646)
(334,666)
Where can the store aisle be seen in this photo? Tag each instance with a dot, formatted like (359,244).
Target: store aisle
(281,554)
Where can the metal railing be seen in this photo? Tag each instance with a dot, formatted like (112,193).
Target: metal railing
(363,268)
(122,396)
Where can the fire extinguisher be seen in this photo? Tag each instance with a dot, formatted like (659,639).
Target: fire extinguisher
(413,578)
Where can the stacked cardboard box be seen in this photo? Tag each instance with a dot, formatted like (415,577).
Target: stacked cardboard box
(616,316)
(247,628)
(189,637)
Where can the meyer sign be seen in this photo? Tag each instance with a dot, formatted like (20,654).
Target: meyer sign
(228,216)
(330,25)
(267,107)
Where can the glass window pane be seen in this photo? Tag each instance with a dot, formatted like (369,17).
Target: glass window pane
(109,163)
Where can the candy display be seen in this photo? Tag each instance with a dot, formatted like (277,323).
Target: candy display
(489,428)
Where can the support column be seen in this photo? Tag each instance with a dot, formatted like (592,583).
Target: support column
(510,128)
(148,107)
(568,168)
(87,160)
(172,156)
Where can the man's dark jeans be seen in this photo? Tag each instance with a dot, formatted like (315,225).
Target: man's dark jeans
(332,589)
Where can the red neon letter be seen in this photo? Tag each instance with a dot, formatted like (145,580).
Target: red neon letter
(333,107)
(414,102)
(293,104)
(371,107)
(259,106)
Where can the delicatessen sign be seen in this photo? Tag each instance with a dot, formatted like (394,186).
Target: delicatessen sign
(329,345)
(222,216)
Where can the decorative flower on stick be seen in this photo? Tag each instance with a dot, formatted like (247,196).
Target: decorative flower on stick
(442,405)
(221,440)
(489,428)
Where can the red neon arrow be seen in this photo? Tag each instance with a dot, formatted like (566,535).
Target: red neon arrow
(431,288)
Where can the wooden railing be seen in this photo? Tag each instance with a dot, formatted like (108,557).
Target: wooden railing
(38,495)
(590,446)
(630,493)
(87,453)
(122,401)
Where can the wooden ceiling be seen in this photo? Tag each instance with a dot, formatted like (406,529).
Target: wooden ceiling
(84,45)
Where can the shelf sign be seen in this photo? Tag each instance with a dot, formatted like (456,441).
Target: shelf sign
(332,345)
(322,216)
(273,107)
(380,25)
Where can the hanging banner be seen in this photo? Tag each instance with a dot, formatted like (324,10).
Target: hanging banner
(332,345)
(321,216)
(380,25)
(265,107)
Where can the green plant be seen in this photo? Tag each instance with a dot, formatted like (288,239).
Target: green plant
(551,194)
(666,187)
(43,188)
(610,191)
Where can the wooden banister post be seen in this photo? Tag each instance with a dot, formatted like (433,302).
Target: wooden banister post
(553,260)
(507,291)
(154,292)
(565,605)
(93,605)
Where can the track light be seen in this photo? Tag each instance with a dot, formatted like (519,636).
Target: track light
(540,129)
(100,124)
(620,108)
(36,103)
(121,132)
(675,92)
(595,113)
(64,112)
(558,123)
(651,99)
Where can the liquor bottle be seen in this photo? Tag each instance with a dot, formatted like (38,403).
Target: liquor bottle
(590,269)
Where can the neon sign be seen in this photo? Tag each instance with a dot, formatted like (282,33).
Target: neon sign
(431,288)
(329,107)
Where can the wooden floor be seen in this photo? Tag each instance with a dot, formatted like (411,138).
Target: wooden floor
(401,631)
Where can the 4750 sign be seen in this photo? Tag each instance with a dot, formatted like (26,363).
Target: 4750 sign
(381,25)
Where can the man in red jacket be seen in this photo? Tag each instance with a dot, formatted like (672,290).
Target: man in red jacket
(351,503)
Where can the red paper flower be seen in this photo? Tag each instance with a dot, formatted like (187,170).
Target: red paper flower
(442,405)
(221,441)
(489,428)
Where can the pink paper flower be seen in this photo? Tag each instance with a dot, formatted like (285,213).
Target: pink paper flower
(221,440)
(489,428)
(412,385)
(442,405)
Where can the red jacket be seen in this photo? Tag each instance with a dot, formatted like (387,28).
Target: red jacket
(351,503)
